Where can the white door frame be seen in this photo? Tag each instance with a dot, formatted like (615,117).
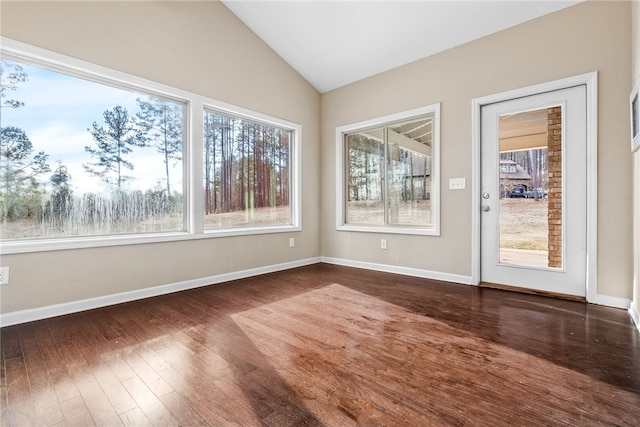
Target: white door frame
(591,82)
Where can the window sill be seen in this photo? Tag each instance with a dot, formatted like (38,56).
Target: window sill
(46,245)
(390,230)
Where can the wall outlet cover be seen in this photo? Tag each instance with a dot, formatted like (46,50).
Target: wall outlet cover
(4,275)
(457,183)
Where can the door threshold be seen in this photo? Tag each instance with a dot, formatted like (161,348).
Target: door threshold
(557,295)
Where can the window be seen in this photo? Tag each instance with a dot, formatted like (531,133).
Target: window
(388,181)
(90,157)
(246,172)
(81,158)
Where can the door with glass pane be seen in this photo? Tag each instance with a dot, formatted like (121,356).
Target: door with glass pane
(534,186)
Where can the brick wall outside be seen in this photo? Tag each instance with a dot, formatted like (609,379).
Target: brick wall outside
(554,152)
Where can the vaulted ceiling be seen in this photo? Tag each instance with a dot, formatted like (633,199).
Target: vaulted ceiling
(334,43)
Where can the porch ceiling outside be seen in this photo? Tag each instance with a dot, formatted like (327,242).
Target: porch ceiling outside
(523,131)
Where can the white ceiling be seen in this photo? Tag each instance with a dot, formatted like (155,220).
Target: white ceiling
(333,43)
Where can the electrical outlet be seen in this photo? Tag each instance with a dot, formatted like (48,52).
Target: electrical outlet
(383,243)
(292,242)
(4,275)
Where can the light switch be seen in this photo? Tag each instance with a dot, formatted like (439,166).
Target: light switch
(457,183)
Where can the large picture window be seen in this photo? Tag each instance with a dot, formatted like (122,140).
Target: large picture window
(90,157)
(390,173)
(81,158)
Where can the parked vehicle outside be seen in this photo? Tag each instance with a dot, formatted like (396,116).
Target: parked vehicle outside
(523,192)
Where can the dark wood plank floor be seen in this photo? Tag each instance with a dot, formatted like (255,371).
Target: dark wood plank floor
(326,345)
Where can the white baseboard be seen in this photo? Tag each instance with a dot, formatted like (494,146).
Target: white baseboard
(407,271)
(635,315)
(29,315)
(615,302)
(606,300)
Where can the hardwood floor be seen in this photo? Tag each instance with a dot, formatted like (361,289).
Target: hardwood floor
(326,345)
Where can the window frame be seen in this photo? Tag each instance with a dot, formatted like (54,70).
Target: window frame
(341,171)
(193,174)
(294,170)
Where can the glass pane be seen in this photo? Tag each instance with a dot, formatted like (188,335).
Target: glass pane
(409,162)
(531,188)
(79,158)
(364,180)
(246,172)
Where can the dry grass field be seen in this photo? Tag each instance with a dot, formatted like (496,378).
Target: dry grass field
(523,224)
(417,212)
(280,215)
(24,229)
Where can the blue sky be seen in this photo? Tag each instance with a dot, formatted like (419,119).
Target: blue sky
(57,113)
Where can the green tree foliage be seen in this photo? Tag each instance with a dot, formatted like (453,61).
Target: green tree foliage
(12,76)
(19,165)
(162,122)
(113,143)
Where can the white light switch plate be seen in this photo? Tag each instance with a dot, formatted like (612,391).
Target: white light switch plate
(457,183)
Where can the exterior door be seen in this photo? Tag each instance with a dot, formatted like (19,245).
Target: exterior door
(533,231)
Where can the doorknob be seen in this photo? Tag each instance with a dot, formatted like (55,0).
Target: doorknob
(485,208)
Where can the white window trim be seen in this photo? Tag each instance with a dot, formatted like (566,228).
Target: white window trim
(295,175)
(193,155)
(435,179)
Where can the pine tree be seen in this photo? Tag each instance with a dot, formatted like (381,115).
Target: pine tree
(113,144)
(162,122)
(19,165)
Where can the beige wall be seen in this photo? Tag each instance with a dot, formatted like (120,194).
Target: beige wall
(593,36)
(636,157)
(197,46)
